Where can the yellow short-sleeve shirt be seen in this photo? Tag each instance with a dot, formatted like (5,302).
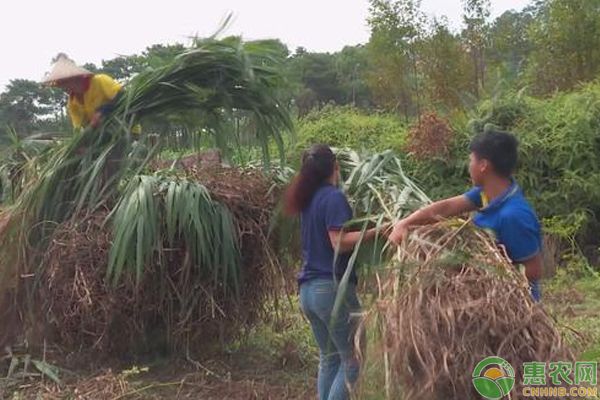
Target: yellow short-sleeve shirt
(102,89)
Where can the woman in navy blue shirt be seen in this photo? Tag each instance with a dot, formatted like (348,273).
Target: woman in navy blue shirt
(324,210)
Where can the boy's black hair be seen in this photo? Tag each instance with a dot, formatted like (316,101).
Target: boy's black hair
(499,148)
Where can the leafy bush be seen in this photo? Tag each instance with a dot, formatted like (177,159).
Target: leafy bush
(350,127)
(560,149)
(429,136)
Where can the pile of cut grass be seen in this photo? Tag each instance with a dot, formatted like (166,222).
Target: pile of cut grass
(452,301)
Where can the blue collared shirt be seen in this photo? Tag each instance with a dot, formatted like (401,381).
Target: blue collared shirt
(512,219)
(514,223)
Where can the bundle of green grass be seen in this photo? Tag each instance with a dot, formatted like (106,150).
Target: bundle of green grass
(451,300)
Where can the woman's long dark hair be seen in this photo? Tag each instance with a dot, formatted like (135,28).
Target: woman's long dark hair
(318,164)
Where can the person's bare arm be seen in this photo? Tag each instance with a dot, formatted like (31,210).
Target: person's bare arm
(347,240)
(432,213)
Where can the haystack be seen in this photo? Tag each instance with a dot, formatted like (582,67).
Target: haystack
(167,271)
(86,311)
(452,301)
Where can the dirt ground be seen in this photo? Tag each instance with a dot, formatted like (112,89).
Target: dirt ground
(245,374)
(275,360)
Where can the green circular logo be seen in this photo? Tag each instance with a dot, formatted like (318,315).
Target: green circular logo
(493,378)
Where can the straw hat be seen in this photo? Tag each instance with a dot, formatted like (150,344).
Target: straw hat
(63,68)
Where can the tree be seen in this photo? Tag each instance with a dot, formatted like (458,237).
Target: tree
(122,68)
(444,65)
(396,26)
(566,42)
(321,78)
(28,107)
(21,105)
(509,44)
(92,68)
(317,79)
(351,67)
(475,16)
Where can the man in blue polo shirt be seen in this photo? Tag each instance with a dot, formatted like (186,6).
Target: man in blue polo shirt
(498,201)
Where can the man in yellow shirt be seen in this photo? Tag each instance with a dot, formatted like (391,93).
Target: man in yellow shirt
(91,96)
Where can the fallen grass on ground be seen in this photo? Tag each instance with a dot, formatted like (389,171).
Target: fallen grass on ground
(278,359)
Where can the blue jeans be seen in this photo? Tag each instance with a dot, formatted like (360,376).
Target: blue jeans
(338,365)
(536,290)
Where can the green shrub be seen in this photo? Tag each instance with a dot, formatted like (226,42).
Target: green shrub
(560,149)
(350,127)
(559,165)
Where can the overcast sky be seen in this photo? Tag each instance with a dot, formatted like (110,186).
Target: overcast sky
(32,32)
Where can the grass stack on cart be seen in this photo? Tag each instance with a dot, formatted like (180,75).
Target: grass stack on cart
(182,289)
(112,258)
